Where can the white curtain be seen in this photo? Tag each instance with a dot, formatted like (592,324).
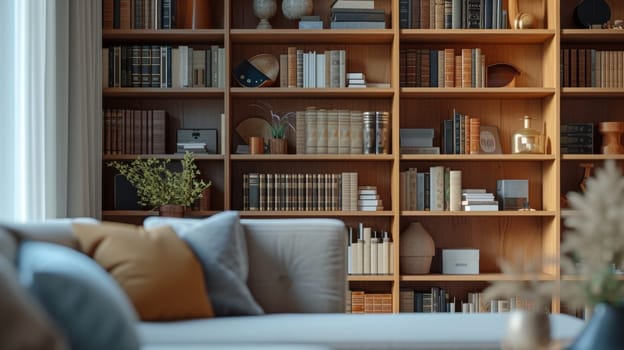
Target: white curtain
(51,81)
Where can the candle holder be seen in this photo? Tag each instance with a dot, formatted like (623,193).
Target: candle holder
(612,137)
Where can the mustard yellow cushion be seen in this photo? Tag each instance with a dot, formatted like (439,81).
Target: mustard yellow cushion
(157,270)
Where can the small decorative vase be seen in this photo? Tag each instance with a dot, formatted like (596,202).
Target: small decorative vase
(611,137)
(603,330)
(527,330)
(278,146)
(264,10)
(527,140)
(416,250)
(294,9)
(171,210)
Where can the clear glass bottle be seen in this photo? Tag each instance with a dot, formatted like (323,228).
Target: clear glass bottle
(527,140)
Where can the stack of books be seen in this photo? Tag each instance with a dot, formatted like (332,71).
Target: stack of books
(477,199)
(356,80)
(577,138)
(310,22)
(356,14)
(368,199)
(417,141)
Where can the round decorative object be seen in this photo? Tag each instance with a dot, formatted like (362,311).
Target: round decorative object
(294,9)
(260,70)
(416,250)
(264,10)
(527,330)
(502,75)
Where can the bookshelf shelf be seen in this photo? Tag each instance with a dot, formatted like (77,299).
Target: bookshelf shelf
(326,93)
(311,36)
(303,214)
(479,157)
(501,213)
(370,278)
(575,92)
(111,157)
(312,157)
(128,92)
(592,157)
(477,93)
(477,36)
(484,277)
(593,36)
(191,36)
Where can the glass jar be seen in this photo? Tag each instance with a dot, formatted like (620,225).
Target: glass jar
(527,140)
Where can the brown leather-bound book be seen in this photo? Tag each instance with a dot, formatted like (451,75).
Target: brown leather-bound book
(449,67)
(292,67)
(466,67)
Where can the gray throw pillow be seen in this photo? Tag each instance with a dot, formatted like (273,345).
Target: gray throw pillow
(84,301)
(24,324)
(219,243)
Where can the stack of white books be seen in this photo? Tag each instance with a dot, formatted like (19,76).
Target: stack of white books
(478,199)
(368,199)
(356,80)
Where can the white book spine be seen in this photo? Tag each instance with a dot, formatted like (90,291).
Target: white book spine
(356,132)
(321,127)
(455,177)
(373,256)
(332,131)
(367,251)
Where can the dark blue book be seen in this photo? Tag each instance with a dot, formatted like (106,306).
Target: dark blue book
(487,13)
(433,68)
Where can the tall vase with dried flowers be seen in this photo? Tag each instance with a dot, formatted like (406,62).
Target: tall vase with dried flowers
(593,250)
(528,326)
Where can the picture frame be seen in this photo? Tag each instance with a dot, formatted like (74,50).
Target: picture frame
(489,140)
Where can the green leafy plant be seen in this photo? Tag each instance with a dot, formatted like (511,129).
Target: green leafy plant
(593,243)
(279,124)
(157,185)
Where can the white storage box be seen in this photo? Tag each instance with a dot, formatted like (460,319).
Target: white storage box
(460,261)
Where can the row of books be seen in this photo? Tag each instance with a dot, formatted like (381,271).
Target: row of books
(438,299)
(442,68)
(134,131)
(427,190)
(577,138)
(163,66)
(302,192)
(361,302)
(341,131)
(582,67)
(461,134)
(369,252)
(139,14)
(313,69)
(452,14)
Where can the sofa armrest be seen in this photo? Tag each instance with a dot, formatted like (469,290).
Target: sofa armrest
(297,265)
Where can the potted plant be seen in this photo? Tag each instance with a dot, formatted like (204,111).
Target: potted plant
(279,125)
(161,188)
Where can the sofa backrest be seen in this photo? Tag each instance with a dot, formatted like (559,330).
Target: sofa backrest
(57,231)
(297,265)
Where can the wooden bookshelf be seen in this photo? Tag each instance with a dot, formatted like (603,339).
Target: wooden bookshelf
(537,93)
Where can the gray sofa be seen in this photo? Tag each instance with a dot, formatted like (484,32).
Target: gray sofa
(296,274)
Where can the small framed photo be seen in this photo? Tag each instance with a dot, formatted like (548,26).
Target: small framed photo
(489,140)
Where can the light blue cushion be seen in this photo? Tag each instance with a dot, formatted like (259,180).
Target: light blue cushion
(86,303)
(219,243)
